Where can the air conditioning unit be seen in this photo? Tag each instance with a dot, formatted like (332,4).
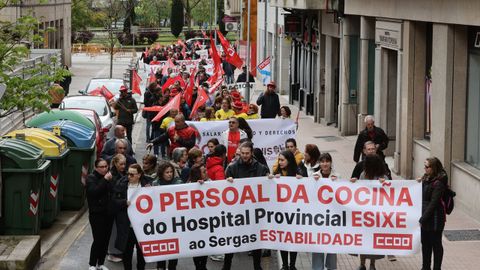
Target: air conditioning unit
(231,26)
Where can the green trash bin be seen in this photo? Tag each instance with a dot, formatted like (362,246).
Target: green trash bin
(23,171)
(54,149)
(57,115)
(81,141)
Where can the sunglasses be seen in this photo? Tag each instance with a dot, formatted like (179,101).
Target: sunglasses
(105,166)
(131,174)
(232,122)
(426,167)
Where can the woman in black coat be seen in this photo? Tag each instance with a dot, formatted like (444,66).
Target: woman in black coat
(126,239)
(98,190)
(434,184)
(287,166)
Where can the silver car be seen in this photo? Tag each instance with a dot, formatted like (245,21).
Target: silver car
(99,104)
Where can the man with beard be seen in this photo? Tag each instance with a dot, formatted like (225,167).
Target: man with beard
(269,101)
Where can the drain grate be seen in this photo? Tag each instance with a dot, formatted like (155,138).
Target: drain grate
(462,235)
(328,138)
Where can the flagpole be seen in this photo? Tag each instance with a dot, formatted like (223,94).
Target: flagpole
(216,23)
(248,53)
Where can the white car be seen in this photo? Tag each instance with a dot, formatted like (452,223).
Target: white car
(113,85)
(99,104)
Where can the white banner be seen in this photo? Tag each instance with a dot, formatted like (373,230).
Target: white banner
(264,68)
(303,215)
(242,88)
(268,134)
(190,64)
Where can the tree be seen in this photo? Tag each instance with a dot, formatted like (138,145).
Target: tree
(153,12)
(176,19)
(113,10)
(26,86)
(188,10)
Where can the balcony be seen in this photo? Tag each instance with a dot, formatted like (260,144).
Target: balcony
(302,4)
(233,8)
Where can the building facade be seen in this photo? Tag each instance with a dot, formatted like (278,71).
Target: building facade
(413,64)
(52,14)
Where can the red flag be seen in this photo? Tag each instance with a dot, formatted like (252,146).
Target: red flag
(171,81)
(217,62)
(152,78)
(136,83)
(231,55)
(213,78)
(188,95)
(215,86)
(169,64)
(153,108)
(204,35)
(184,47)
(201,99)
(174,103)
(102,91)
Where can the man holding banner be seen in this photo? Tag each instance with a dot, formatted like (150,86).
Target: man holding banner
(245,167)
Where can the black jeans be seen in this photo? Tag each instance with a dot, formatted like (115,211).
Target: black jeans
(200,262)
(432,241)
(101,224)
(128,129)
(257,257)
(128,252)
(293,258)
(172,264)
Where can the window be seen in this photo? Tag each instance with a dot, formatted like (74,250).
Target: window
(428,81)
(472,147)
(473,110)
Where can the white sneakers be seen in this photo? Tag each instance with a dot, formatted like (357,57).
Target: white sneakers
(114,258)
(92,268)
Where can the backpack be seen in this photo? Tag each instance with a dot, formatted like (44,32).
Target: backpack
(447,200)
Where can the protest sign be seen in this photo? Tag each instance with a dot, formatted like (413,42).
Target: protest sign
(305,215)
(268,134)
(190,65)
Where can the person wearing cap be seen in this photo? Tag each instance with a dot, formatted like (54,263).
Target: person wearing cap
(236,96)
(127,107)
(238,109)
(252,112)
(243,76)
(225,111)
(269,101)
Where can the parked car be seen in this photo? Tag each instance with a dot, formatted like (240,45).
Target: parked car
(113,85)
(101,133)
(99,104)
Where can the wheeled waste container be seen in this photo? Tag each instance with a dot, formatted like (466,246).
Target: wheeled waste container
(54,149)
(57,115)
(81,142)
(23,172)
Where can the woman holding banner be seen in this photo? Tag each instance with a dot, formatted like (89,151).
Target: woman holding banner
(198,174)
(126,239)
(226,110)
(287,166)
(321,261)
(166,176)
(374,169)
(311,159)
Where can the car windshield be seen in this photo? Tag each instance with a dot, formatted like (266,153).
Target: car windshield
(112,85)
(97,105)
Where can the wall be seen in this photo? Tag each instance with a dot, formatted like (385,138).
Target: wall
(441,11)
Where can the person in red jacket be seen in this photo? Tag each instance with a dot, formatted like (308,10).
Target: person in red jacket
(180,135)
(215,162)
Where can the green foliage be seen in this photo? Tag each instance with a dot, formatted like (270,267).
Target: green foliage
(177,17)
(152,13)
(83,16)
(26,84)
